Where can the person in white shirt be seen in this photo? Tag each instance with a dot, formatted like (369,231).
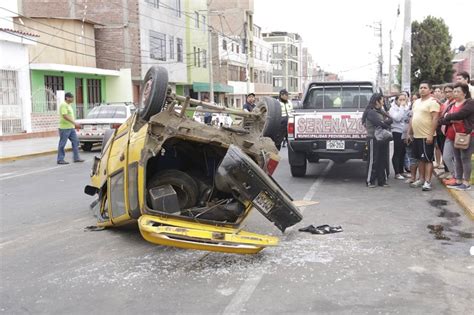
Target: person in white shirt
(398,113)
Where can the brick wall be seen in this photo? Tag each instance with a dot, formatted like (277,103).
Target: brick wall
(109,32)
(44,122)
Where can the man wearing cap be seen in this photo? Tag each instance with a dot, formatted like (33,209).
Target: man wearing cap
(67,130)
(250,104)
(286,108)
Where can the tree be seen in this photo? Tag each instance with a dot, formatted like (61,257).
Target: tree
(431,52)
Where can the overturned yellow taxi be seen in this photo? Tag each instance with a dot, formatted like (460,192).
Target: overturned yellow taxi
(188,184)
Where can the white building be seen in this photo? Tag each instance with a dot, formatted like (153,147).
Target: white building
(286,60)
(15,92)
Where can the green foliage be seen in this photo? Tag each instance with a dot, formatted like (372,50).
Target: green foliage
(431,52)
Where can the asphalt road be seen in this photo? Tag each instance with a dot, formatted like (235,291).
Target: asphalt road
(385,260)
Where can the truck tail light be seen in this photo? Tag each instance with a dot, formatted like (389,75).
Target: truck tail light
(291,127)
(79,127)
(115,126)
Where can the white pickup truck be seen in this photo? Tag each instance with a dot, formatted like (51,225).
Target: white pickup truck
(328,124)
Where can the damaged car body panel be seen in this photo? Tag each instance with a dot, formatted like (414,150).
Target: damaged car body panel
(188,184)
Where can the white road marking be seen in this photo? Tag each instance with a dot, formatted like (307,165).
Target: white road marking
(5,174)
(39,171)
(250,284)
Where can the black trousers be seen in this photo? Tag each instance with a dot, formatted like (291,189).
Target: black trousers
(398,157)
(377,162)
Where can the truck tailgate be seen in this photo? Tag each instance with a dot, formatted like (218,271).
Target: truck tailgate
(329,125)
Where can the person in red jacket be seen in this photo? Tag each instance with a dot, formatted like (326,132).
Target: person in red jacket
(459,118)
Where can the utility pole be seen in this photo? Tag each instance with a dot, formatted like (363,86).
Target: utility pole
(378,32)
(209,47)
(390,63)
(406,49)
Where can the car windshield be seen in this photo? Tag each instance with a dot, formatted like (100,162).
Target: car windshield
(108,111)
(336,97)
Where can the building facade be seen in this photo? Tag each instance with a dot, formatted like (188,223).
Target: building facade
(15,102)
(286,51)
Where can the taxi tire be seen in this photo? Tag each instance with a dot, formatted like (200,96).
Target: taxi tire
(87,146)
(270,108)
(158,86)
(107,135)
(185,186)
(298,171)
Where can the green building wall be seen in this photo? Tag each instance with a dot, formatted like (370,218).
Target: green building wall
(38,86)
(196,38)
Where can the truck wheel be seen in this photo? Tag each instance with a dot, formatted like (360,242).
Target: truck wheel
(298,171)
(270,110)
(185,186)
(107,135)
(153,95)
(87,146)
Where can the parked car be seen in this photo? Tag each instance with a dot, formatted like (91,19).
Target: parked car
(189,184)
(100,119)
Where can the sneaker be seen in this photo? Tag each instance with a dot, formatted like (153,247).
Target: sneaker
(416,184)
(63,162)
(426,186)
(386,185)
(371,186)
(463,187)
(448,182)
(409,181)
(398,176)
(454,186)
(78,161)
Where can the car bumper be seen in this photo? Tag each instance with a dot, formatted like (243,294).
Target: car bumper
(353,148)
(95,139)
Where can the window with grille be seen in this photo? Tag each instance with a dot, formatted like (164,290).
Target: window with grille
(224,44)
(204,58)
(94,93)
(171,47)
(199,57)
(53,84)
(195,57)
(155,3)
(196,19)
(179,47)
(157,46)
(9,88)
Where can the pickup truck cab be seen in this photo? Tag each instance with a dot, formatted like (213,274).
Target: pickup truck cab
(328,124)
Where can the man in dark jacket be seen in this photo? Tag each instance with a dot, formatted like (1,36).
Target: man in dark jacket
(250,104)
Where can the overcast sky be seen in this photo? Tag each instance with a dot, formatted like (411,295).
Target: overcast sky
(338,32)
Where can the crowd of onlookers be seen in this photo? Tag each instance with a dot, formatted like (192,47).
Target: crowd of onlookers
(433,128)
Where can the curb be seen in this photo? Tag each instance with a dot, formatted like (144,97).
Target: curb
(462,198)
(30,155)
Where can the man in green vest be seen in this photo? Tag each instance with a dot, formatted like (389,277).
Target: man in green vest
(286,108)
(67,130)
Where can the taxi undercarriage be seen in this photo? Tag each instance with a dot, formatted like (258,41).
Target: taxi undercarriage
(188,184)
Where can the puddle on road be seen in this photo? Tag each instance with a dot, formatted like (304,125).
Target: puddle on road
(439,230)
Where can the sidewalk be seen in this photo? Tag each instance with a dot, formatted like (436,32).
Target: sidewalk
(464,198)
(19,149)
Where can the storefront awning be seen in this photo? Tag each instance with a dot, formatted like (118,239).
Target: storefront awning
(218,87)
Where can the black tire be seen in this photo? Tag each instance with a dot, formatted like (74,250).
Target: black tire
(107,135)
(298,171)
(153,95)
(185,186)
(270,123)
(87,146)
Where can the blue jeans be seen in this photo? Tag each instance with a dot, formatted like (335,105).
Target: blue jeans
(64,135)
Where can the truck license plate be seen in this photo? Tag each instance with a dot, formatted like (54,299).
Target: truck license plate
(335,145)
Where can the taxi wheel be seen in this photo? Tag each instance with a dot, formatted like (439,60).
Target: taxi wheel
(270,110)
(185,186)
(153,92)
(87,146)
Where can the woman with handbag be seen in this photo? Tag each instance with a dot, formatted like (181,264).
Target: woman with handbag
(459,118)
(377,122)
